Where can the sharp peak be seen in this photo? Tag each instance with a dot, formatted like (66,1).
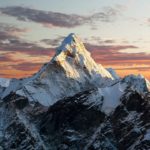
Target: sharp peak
(71,44)
(70,39)
(71,36)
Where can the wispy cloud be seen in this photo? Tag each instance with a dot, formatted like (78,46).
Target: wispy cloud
(27,66)
(124,63)
(99,40)
(12,29)
(57,19)
(5,58)
(112,54)
(10,41)
(53,42)
(10,32)
(139,68)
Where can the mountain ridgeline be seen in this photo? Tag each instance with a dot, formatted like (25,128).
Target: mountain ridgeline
(72,103)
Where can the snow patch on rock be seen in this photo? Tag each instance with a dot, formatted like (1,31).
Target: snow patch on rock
(108,98)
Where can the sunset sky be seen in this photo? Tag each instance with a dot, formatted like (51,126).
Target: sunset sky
(116,32)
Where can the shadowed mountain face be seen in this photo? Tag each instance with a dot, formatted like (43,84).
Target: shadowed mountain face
(72,123)
(74,104)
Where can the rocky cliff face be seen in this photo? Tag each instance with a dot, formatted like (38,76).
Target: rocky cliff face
(73,123)
(74,104)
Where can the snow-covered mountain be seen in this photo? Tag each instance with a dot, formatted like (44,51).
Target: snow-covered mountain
(70,71)
(72,103)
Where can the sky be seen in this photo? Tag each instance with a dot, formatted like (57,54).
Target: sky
(116,32)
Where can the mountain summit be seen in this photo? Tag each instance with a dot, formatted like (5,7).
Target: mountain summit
(72,53)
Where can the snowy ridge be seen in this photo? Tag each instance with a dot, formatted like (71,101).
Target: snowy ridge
(107,99)
(137,83)
(14,85)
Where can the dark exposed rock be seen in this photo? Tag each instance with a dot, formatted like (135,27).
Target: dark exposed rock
(72,112)
(18,129)
(69,124)
(134,102)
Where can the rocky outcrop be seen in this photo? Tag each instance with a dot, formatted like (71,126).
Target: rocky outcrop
(69,124)
(73,124)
